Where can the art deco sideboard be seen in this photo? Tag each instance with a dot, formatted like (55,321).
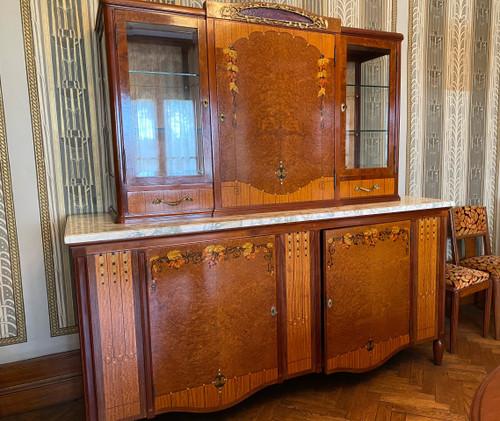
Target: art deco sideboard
(196,315)
(253,149)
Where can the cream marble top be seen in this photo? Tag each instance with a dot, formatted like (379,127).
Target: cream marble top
(82,229)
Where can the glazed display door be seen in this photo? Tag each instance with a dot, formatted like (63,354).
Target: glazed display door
(367,110)
(213,321)
(274,114)
(367,295)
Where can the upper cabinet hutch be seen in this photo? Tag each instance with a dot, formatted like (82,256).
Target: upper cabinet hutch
(234,134)
(246,107)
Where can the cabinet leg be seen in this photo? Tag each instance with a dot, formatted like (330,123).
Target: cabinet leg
(438,349)
(496,305)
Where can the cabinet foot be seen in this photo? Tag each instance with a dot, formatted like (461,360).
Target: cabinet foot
(438,349)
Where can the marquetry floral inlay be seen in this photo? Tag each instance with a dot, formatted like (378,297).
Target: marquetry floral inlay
(370,237)
(212,255)
(232,72)
(322,64)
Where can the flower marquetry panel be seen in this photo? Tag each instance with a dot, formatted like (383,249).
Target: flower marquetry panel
(213,321)
(367,294)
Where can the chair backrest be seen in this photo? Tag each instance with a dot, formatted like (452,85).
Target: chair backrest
(468,224)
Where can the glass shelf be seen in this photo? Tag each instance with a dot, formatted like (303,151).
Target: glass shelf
(164,73)
(367,86)
(367,131)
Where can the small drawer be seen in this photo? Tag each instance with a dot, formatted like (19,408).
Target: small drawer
(170,201)
(366,188)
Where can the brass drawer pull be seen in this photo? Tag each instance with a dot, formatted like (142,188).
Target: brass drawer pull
(159,200)
(375,187)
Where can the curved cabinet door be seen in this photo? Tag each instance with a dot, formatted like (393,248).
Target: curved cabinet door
(213,322)
(367,294)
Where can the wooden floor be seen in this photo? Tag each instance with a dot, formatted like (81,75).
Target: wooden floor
(408,387)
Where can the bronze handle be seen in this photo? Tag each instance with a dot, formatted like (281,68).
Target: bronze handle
(370,345)
(159,200)
(343,107)
(375,187)
(222,117)
(205,103)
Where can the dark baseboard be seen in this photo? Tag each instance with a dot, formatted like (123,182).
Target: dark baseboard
(40,382)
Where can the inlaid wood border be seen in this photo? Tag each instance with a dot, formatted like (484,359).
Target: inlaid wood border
(13,246)
(41,174)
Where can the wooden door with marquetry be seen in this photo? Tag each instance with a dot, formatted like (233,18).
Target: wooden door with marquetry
(266,122)
(213,322)
(367,286)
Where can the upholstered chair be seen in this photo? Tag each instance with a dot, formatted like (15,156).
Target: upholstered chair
(460,282)
(471,248)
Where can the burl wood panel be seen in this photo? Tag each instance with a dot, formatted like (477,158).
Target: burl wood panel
(236,193)
(428,255)
(298,302)
(210,313)
(264,107)
(367,279)
(348,188)
(141,202)
(118,346)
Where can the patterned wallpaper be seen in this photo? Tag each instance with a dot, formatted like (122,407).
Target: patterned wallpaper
(454,102)
(70,162)
(12,322)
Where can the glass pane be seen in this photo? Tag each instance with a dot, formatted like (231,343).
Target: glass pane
(165,100)
(367,113)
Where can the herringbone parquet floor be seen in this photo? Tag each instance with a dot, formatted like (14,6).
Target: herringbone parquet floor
(409,387)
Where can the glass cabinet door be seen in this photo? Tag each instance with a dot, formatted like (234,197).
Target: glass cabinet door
(163,101)
(367,107)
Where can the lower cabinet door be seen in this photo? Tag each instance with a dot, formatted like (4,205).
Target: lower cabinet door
(367,294)
(213,322)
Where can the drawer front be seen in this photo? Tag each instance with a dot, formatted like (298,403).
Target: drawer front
(167,202)
(365,188)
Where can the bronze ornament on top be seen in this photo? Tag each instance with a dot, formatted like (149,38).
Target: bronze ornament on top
(262,13)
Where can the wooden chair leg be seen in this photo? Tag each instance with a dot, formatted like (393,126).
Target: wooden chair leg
(487,310)
(455,304)
(496,305)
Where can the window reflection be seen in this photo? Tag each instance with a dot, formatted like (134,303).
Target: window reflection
(180,137)
(147,151)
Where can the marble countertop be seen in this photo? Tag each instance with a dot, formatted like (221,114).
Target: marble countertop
(92,228)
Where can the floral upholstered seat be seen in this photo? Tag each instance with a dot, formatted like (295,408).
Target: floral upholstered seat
(490,264)
(460,277)
(460,282)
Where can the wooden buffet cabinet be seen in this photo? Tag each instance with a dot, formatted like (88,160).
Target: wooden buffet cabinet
(269,127)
